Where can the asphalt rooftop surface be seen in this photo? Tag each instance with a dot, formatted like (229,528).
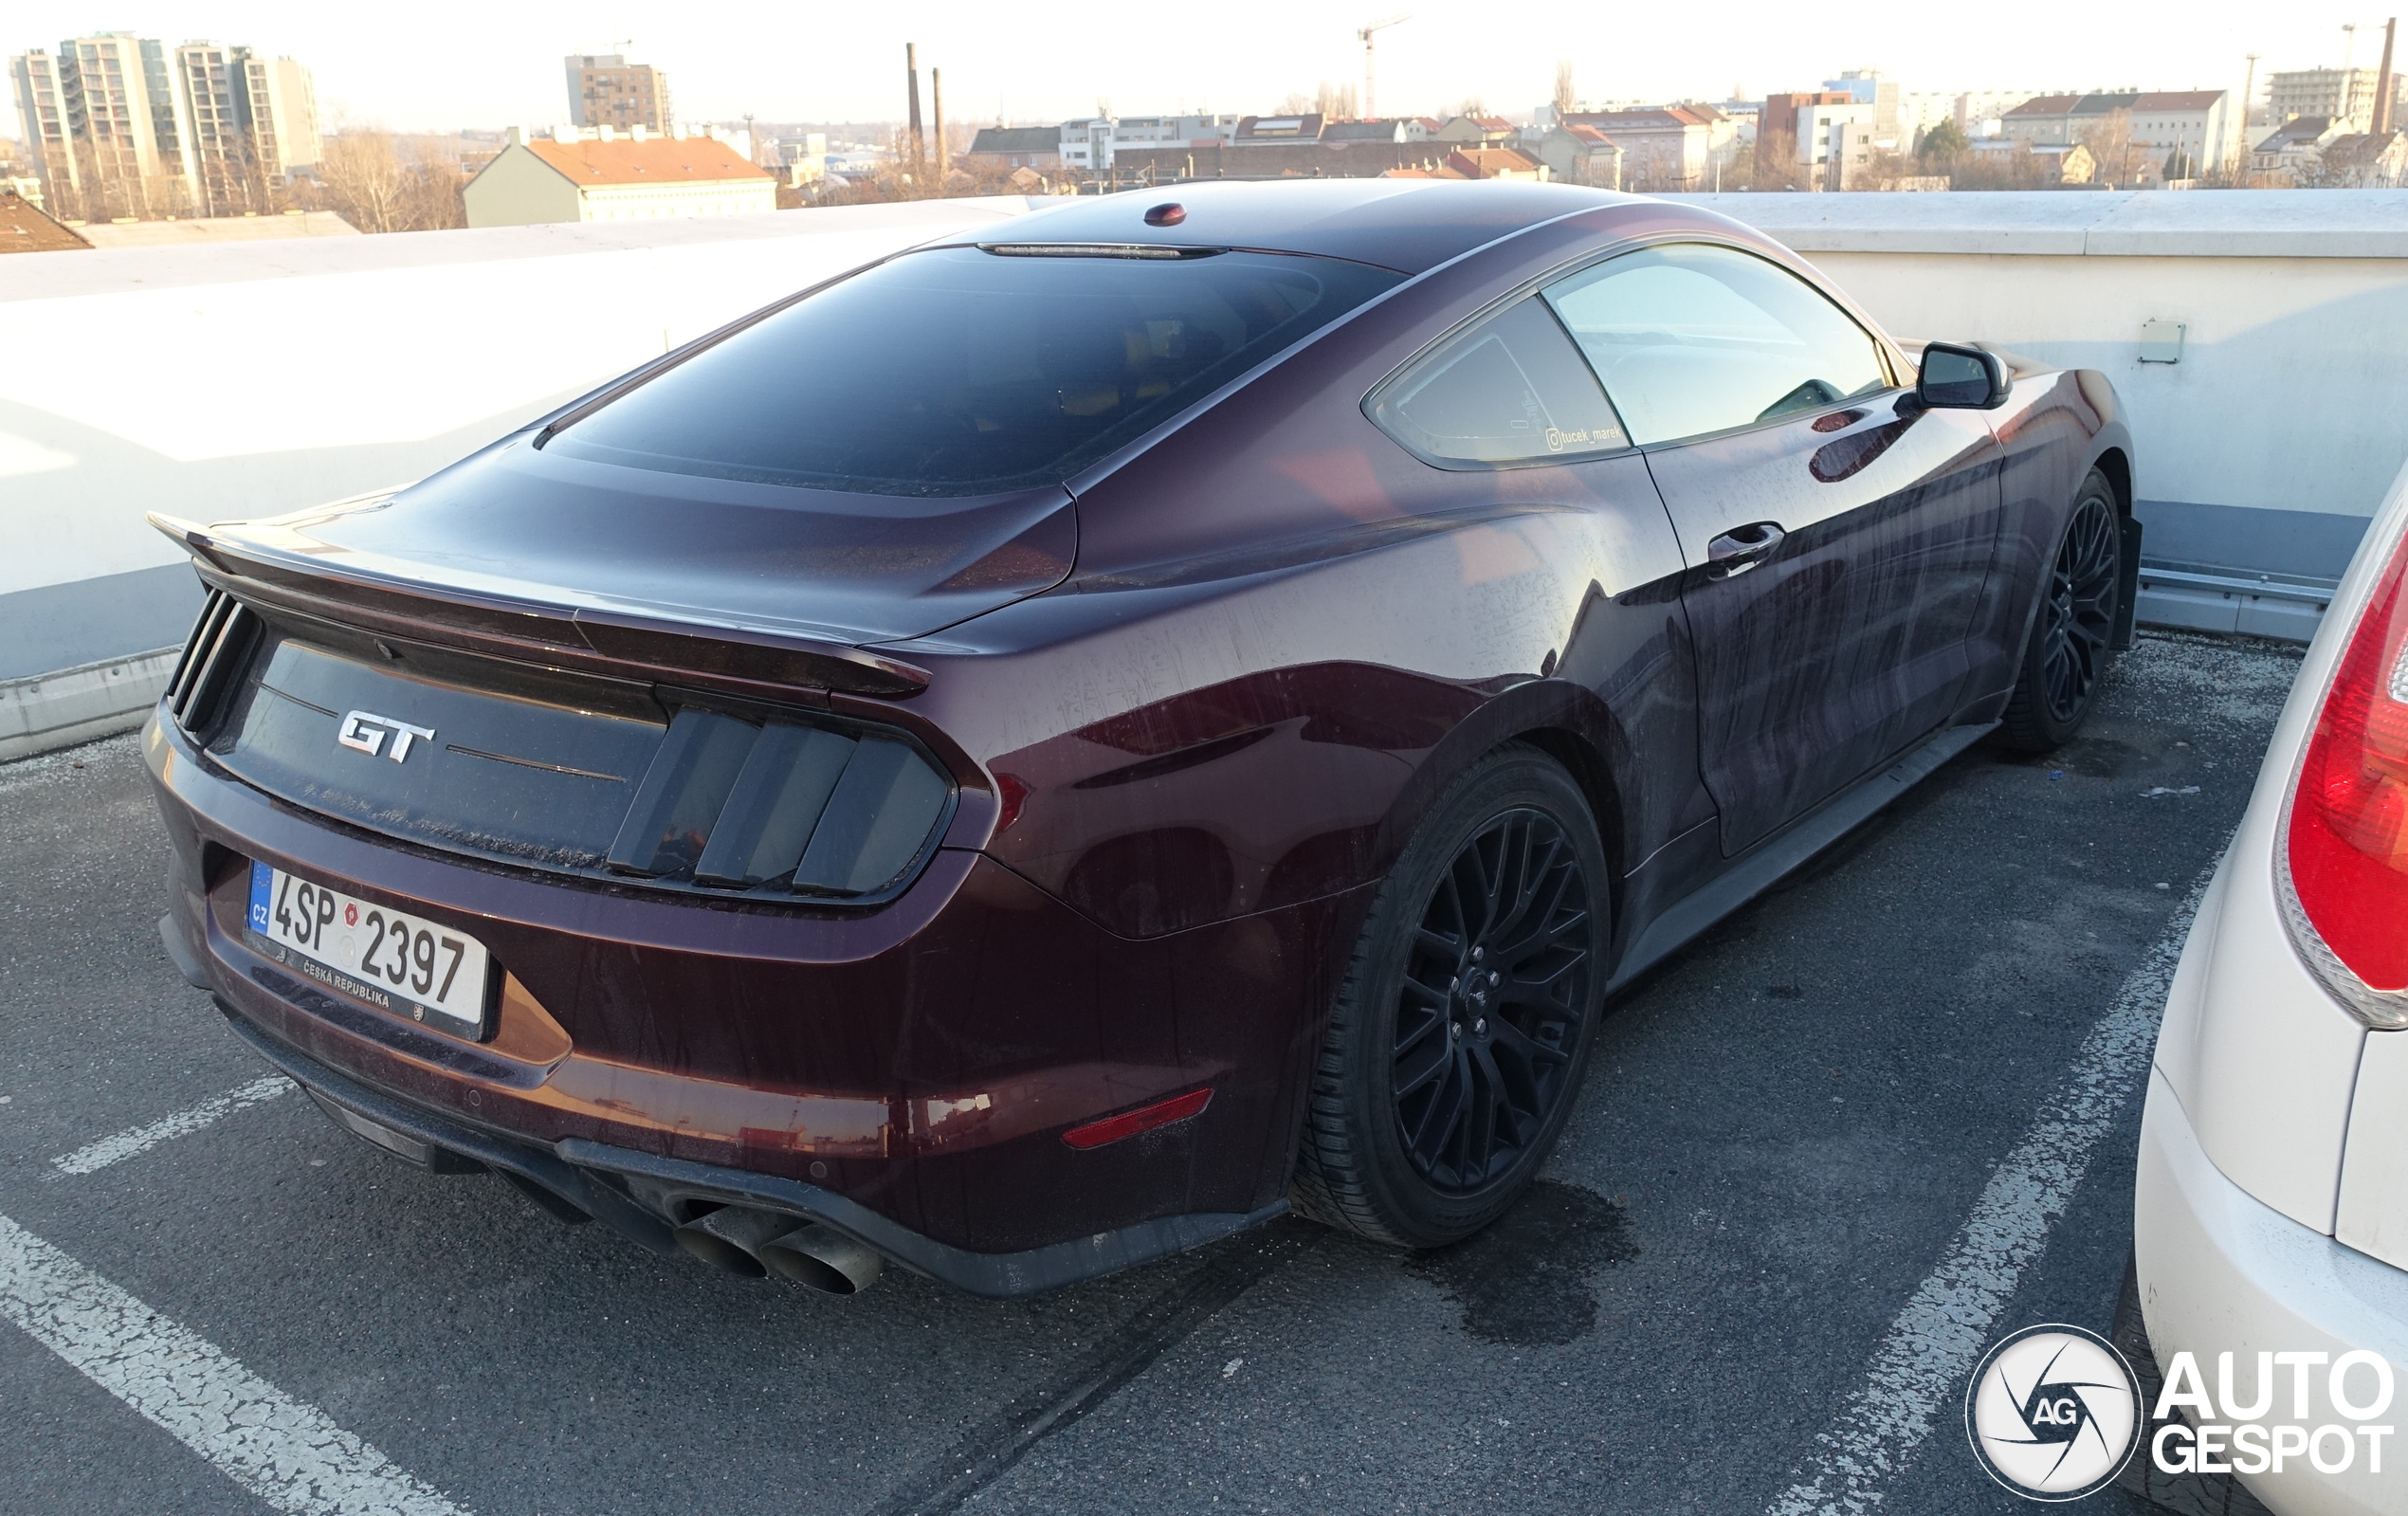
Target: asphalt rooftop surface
(1783,1129)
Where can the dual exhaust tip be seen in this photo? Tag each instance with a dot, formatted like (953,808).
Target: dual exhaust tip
(756,1243)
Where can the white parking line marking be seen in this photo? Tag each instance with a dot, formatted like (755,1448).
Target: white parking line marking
(281,1449)
(125,1145)
(1935,1338)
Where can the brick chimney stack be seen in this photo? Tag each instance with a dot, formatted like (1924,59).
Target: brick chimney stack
(919,143)
(2383,81)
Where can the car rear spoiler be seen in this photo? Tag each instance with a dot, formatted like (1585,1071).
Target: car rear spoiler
(622,641)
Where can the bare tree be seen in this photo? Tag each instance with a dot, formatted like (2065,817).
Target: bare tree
(2109,139)
(1295,104)
(1563,98)
(362,177)
(1335,102)
(1773,167)
(431,195)
(380,183)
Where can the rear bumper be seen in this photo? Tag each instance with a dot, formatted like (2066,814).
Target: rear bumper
(903,1075)
(638,1194)
(2221,1272)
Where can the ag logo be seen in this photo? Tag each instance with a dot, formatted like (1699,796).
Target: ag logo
(2052,1413)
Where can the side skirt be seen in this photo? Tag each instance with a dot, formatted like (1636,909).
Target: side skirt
(1784,850)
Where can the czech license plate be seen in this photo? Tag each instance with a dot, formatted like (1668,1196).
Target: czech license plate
(392,960)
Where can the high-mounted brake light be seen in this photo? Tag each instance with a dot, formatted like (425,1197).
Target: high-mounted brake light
(2342,869)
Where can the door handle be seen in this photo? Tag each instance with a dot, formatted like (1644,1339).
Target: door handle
(1742,548)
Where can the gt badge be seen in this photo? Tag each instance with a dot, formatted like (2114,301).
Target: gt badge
(366,731)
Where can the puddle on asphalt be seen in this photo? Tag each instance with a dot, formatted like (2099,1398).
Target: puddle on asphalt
(1525,1281)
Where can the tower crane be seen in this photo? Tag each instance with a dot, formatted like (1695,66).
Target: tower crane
(1366,33)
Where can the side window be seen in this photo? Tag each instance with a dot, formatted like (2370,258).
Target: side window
(1690,338)
(1511,390)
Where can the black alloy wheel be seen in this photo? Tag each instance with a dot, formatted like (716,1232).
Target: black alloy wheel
(1492,1001)
(2074,630)
(2079,617)
(1458,1040)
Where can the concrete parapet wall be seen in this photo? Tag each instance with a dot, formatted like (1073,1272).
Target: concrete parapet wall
(81,704)
(2290,397)
(253,378)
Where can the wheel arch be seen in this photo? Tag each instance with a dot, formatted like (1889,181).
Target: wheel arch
(1566,721)
(2116,464)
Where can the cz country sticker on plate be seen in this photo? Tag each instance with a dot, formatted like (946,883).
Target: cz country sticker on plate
(392,960)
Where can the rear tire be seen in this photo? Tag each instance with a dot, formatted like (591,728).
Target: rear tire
(2081,592)
(1460,1036)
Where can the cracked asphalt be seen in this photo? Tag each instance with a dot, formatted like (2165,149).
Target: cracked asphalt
(1783,1129)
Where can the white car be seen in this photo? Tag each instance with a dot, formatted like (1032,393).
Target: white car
(2272,1215)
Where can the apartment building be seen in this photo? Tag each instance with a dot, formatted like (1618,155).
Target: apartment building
(1864,86)
(2200,128)
(121,126)
(118,129)
(1663,148)
(1095,142)
(34,78)
(254,122)
(606,90)
(1835,132)
(2343,96)
(283,103)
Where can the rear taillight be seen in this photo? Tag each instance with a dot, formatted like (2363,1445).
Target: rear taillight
(2344,866)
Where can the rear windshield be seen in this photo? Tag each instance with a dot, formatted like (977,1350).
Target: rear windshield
(962,372)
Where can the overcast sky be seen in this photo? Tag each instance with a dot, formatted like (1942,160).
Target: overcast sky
(431,65)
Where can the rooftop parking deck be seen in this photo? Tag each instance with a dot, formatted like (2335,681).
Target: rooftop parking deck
(1875,1113)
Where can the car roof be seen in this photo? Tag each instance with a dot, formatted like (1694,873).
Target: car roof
(1406,225)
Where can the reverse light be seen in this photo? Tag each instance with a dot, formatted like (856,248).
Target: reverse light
(2344,863)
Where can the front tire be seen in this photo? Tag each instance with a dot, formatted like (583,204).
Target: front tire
(2066,660)
(1459,1038)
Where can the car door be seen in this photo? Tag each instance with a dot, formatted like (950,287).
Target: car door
(1837,535)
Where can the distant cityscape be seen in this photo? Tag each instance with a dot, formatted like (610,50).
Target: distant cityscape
(121,138)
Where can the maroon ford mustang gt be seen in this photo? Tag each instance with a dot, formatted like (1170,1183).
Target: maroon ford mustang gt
(1079,738)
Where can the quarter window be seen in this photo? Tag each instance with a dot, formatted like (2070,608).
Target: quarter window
(1510,390)
(1690,339)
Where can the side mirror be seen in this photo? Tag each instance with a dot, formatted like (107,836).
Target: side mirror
(1961,378)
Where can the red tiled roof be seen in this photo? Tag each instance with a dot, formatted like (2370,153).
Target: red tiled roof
(2358,147)
(1490,162)
(654,160)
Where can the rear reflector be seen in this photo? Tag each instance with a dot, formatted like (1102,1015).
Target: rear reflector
(2345,858)
(1144,1119)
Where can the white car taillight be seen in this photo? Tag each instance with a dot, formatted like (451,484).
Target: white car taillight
(2342,865)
